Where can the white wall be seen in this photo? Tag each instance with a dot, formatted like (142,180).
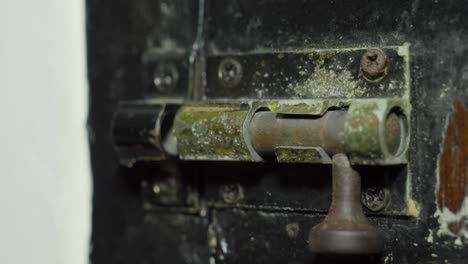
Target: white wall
(45,191)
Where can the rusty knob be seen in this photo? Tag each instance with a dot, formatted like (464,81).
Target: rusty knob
(345,230)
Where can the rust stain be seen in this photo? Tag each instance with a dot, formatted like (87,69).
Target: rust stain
(453,163)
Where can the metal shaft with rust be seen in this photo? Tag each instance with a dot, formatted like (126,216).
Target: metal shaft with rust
(370,133)
(269,130)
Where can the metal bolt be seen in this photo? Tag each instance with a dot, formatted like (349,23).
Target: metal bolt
(165,78)
(374,64)
(232,193)
(375,199)
(230,72)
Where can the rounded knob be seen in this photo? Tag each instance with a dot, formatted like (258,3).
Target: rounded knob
(345,230)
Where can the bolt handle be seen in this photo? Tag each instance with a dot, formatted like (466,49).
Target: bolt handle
(345,230)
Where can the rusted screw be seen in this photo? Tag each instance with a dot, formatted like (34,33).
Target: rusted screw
(375,199)
(232,193)
(230,72)
(373,64)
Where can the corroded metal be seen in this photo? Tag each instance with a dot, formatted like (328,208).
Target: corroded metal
(375,199)
(230,72)
(345,230)
(317,103)
(211,132)
(372,135)
(371,131)
(294,154)
(269,130)
(308,131)
(374,64)
(313,74)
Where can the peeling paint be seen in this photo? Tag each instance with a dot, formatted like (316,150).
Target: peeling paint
(430,237)
(452,176)
(412,208)
(447,218)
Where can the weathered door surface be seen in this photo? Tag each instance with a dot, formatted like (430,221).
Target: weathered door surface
(216,128)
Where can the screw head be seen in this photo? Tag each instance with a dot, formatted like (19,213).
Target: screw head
(230,72)
(374,64)
(165,78)
(232,193)
(375,199)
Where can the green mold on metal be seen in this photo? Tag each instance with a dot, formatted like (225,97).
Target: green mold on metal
(365,131)
(362,131)
(319,57)
(211,132)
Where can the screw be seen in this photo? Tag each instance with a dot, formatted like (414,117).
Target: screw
(374,64)
(292,229)
(230,72)
(232,193)
(165,190)
(375,199)
(165,78)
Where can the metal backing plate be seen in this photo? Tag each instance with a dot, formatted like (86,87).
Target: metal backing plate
(307,74)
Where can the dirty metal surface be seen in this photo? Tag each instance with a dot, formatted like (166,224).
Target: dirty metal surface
(211,132)
(305,74)
(345,230)
(269,131)
(125,43)
(301,155)
(296,187)
(370,131)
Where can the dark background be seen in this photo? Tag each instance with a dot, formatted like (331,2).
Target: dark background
(125,42)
